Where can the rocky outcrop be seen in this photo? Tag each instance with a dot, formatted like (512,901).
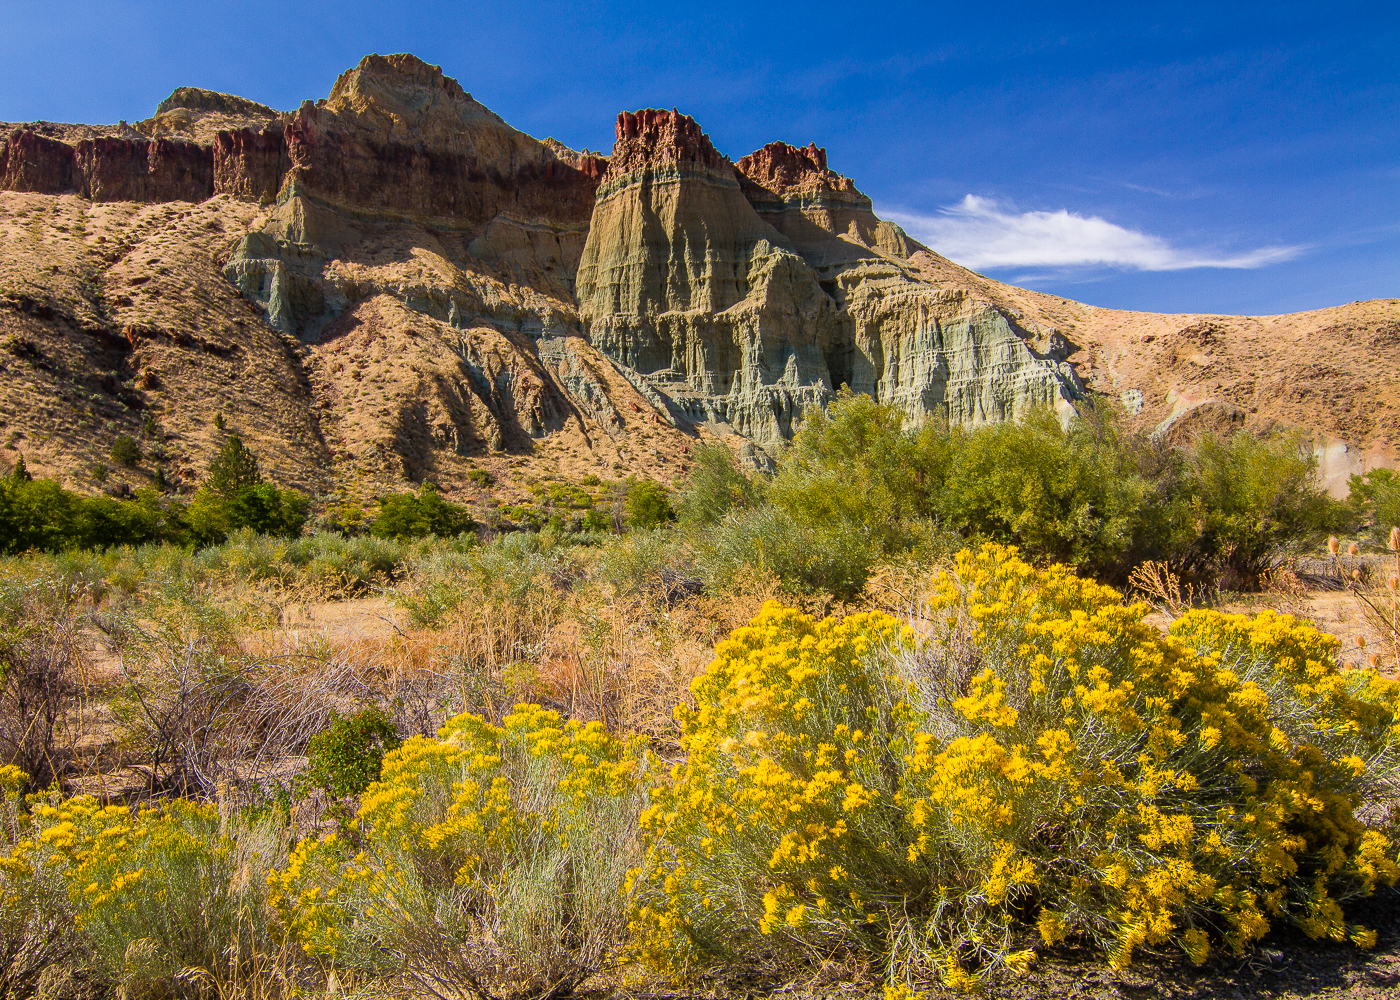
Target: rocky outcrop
(112,169)
(745,296)
(33,162)
(793,191)
(394,281)
(398,137)
(682,282)
(250,162)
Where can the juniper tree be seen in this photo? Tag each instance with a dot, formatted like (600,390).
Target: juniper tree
(234,468)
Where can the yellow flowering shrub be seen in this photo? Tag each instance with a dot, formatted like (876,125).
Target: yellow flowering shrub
(1142,788)
(1038,751)
(485,849)
(782,827)
(164,876)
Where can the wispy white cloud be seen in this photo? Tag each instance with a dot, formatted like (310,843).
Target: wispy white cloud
(978,233)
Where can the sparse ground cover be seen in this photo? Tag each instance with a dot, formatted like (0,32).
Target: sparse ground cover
(889,779)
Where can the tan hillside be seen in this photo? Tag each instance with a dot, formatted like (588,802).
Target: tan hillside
(393,284)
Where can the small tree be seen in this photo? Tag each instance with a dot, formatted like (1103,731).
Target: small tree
(125,451)
(648,505)
(234,496)
(234,468)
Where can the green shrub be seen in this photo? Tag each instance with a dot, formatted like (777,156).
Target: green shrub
(649,505)
(346,756)
(847,494)
(407,515)
(1374,501)
(640,558)
(715,487)
(1252,498)
(125,452)
(834,558)
(480,478)
(213,516)
(1075,496)
(40,514)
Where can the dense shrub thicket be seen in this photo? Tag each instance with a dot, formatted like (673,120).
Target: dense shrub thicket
(41,515)
(858,485)
(234,496)
(408,515)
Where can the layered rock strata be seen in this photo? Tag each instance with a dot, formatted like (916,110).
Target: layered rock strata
(417,251)
(394,282)
(793,191)
(746,295)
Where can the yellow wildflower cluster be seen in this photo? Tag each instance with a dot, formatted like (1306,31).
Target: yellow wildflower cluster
(156,873)
(847,787)
(776,826)
(445,828)
(1158,785)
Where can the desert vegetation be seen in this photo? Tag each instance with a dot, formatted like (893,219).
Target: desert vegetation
(919,707)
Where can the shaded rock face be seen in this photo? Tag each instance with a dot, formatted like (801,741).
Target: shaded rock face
(744,296)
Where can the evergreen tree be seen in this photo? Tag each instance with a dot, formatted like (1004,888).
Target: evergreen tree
(233,469)
(20,473)
(125,451)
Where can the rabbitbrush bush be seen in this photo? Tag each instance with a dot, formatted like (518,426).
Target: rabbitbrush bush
(490,858)
(1038,755)
(168,896)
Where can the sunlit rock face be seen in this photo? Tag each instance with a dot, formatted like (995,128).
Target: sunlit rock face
(393,281)
(745,295)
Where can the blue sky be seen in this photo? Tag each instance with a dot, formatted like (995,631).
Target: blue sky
(1240,158)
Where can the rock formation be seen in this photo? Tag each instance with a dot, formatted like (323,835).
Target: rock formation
(393,282)
(744,296)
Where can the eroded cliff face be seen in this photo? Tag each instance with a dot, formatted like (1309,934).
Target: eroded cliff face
(413,255)
(745,295)
(393,282)
(683,283)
